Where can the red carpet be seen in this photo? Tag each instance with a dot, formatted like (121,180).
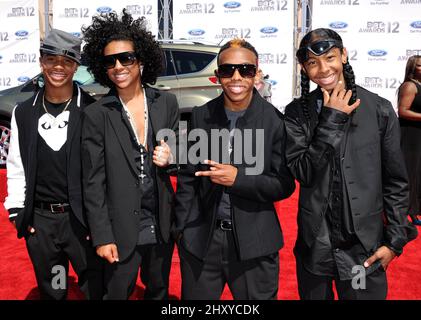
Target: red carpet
(17,280)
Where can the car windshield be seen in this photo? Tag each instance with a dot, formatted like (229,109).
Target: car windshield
(83,76)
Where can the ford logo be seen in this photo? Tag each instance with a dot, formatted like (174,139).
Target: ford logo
(196,32)
(23,79)
(273,82)
(104,9)
(338,25)
(269,30)
(21,33)
(377,53)
(416,24)
(232,5)
(76,34)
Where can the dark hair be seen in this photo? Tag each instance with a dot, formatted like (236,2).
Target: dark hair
(411,65)
(106,28)
(238,43)
(315,36)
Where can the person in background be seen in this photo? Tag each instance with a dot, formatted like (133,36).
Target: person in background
(126,172)
(343,147)
(44,174)
(409,108)
(226,223)
(263,86)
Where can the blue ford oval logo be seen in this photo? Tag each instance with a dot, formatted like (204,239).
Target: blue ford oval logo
(232,5)
(338,25)
(269,30)
(273,82)
(377,53)
(416,24)
(21,33)
(196,32)
(23,79)
(104,9)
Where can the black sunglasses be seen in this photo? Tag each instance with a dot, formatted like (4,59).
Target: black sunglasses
(227,70)
(317,48)
(125,58)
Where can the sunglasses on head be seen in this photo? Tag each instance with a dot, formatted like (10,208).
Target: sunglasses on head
(317,48)
(227,70)
(125,59)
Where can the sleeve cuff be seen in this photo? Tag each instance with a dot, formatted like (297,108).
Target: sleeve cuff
(334,116)
(13,213)
(395,250)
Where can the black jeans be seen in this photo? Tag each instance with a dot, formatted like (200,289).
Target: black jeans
(58,239)
(154,261)
(253,279)
(318,287)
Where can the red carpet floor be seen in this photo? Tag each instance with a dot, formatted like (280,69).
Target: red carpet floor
(17,280)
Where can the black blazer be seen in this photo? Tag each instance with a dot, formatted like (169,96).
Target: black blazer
(373,168)
(110,177)
(27,116)
(256,227)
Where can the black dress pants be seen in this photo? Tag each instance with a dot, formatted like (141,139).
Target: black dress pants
(317,287)
(254,279)
(154,261)
(58,239)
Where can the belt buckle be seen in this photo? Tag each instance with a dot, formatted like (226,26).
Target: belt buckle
(59,206)
(222,225)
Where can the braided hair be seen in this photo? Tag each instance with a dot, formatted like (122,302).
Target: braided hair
(349,76)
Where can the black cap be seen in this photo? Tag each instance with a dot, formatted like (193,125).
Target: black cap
(62,43)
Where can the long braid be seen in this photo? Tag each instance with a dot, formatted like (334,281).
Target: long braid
(350,85)
(350,81)
(305,90)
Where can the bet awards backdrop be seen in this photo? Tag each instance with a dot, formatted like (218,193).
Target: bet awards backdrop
(19,42)
(71,15)
(267,24)
(379,35)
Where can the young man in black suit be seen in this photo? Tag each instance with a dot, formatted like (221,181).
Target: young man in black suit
(127,190)
(343,146)
(44,174)
(226,223)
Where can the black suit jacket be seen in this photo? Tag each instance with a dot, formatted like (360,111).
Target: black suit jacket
(110,178)
(26,117)
(256,227)
(374,173)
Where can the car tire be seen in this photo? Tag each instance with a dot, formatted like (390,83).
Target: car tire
(4,141)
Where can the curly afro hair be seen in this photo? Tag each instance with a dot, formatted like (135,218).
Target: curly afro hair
(108,27)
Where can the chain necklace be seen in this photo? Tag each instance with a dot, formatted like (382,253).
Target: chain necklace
(142,147)
(54,119)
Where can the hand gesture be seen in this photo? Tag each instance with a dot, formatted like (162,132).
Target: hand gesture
(162,155)
(223,174)
(339,98)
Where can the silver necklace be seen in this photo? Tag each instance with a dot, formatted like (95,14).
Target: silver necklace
(54,119)
(142,148)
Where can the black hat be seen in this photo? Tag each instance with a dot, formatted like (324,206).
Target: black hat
(62,43)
